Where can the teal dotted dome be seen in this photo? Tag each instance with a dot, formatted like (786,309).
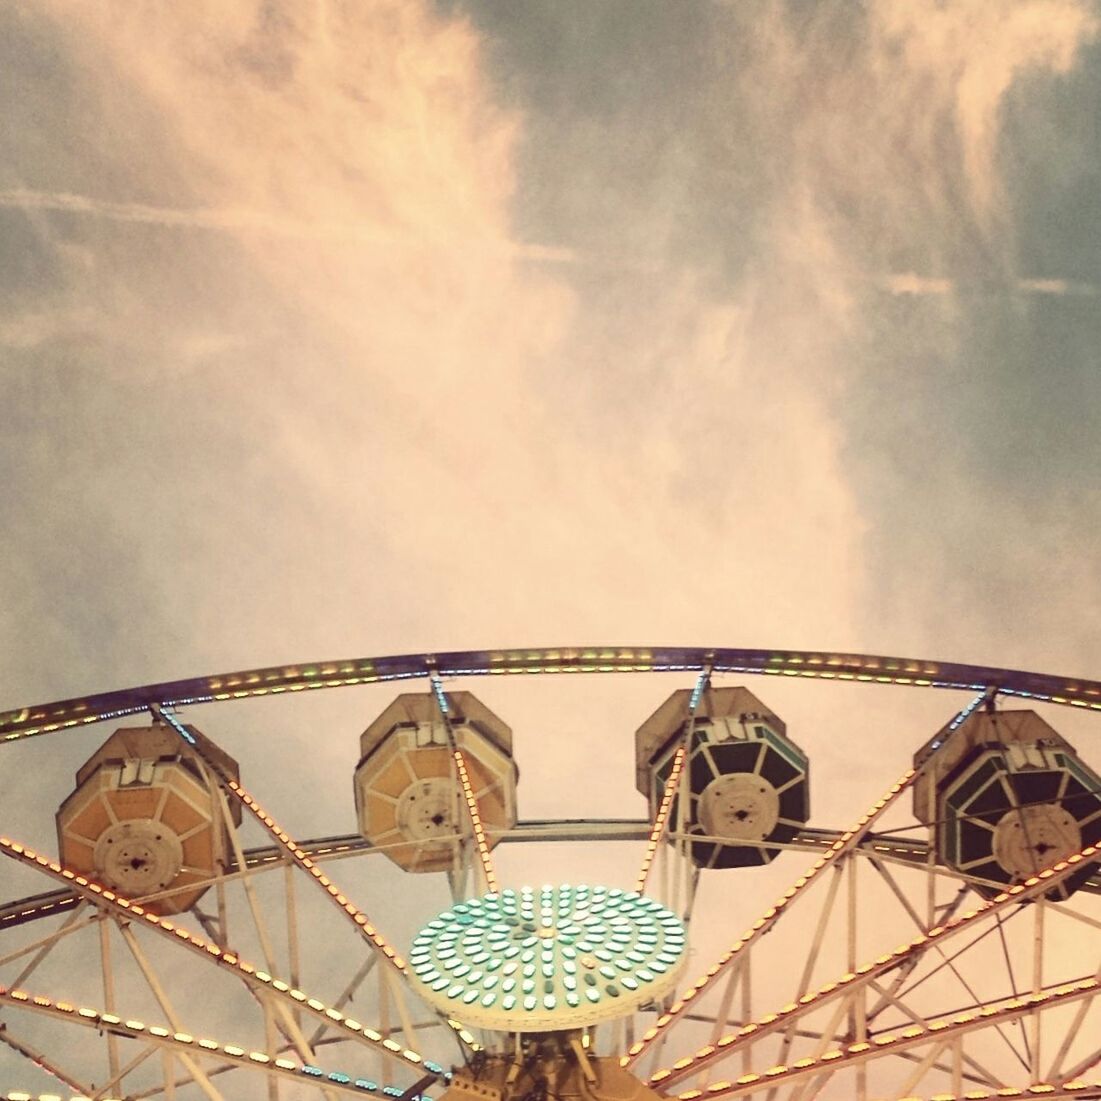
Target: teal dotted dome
(540,960)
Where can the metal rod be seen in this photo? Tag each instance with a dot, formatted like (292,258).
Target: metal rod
(167,1008)
(840,847)
(108,992)
(44,944)
(1037,983)
(47,1065)
(463,776)
(134,1063)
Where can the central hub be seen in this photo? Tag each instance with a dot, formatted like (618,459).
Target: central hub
(548,960)
(549,1066)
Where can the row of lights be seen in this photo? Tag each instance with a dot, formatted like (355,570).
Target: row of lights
(302,858)
(1019,892)
(67,902)
(93,1018)
(789,663)
(255,684)
(659,820)
(941,1030)
(271,682)
(768,919)
(32,913)
(590,660)
(1077,1088)
(243,968)
(468,790)
(476,822)
(671,783)
(293,673)
(82,720)
(536,953)
(256,860)
(22,1095)
(373,936)
(78,715)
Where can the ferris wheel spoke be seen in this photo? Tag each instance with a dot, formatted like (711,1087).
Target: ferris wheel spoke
(366,930)
(948,961)
(348,993)
(937,1032)
(981,1073)
(188,1048)
(1055,1072)
(169,1083)
(142,1056)
(1091,1063)
(658,829)
(253,977)
(44,945)
(977,1074)
(843,845)
(673,787)
(258,922)
(965,1067)
(1000,921)
(286,1022)
(44,1062)
(841,849)
(906,972)
(1083,1091)
(163,1001)
(489,876)
(846,843)
(363,924)
(812,958)
(867,972)
(300,857)
(827,1037)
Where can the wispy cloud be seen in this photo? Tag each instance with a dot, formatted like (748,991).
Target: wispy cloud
(966,56)
(362,160)
(655,406)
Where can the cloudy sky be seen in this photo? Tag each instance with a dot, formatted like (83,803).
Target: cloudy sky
(345,328)
(333,329)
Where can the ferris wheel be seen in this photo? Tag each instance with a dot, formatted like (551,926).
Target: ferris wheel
(173,939)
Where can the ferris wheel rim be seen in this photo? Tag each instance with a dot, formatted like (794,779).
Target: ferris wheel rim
(52,717)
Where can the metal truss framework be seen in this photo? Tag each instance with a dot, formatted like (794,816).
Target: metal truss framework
(859,1021)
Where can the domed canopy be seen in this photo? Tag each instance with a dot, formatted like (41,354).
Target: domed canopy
(548,959)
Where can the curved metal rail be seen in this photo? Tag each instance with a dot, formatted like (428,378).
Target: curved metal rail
(905,850)
(46,718)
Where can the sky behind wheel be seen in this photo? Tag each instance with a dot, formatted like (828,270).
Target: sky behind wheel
(368,329)
(335,330)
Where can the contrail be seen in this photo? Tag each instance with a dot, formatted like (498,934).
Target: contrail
(196,218)
(1057,286)
(910,283)
(231,219)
